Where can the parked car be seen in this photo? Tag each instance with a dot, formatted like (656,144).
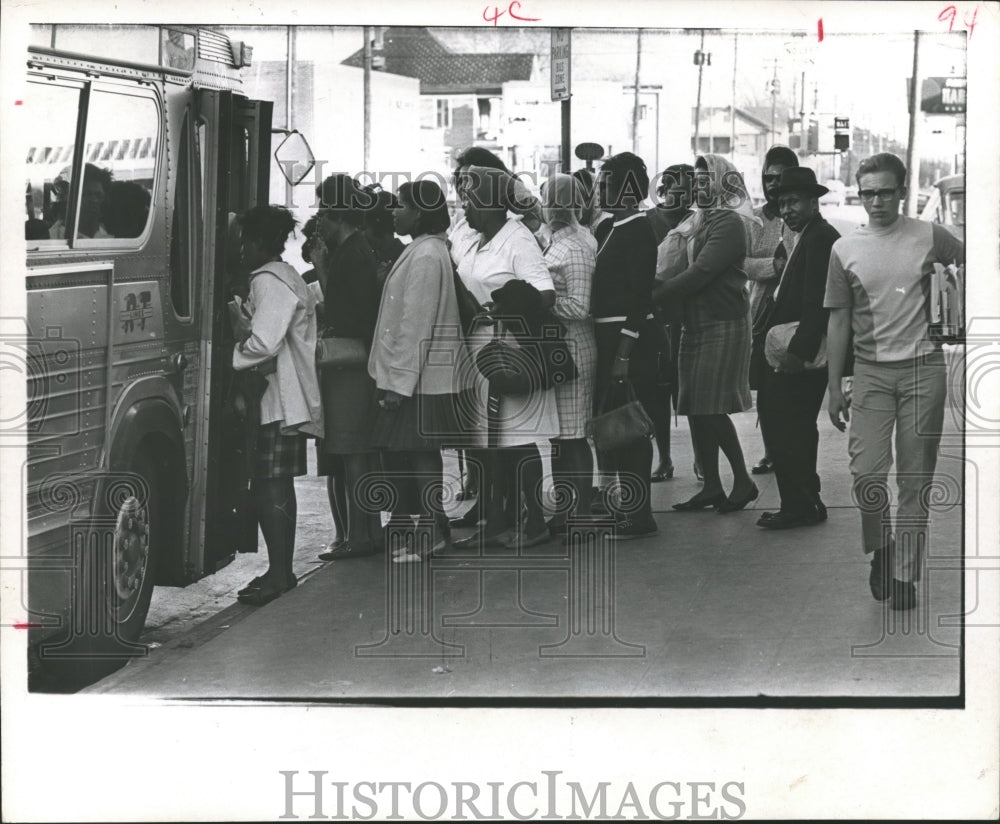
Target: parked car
(946,205)
(835,197)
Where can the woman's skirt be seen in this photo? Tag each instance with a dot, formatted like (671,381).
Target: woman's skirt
(713,367)
(575,400)
(348,400)
(277,455)
(420,423)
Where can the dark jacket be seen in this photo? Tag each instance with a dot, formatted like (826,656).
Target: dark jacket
(713,285)
(353,293)
(625,270)
(803,284)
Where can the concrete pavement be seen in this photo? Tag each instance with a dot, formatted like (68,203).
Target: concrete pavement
(712,606)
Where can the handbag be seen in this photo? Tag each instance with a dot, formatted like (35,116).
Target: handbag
(622,426)
(776,346)
(533,365)
(338,353)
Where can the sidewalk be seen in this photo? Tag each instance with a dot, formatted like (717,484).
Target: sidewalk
(712,606)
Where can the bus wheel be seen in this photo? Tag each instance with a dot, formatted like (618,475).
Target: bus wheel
(139,527)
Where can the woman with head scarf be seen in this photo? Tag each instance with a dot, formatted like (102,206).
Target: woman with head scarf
(715,340)
(571,256)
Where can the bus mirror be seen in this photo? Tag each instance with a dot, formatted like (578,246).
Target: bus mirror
(294,157)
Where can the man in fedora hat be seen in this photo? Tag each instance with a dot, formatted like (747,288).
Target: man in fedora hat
(794,378)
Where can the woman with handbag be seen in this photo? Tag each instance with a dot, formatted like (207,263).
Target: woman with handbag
(570,258)
(351,294)
(622,307)
(714,354)
(279,328)
(419,363)
(509,425)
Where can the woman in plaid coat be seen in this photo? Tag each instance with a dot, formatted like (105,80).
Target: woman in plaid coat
(571,256)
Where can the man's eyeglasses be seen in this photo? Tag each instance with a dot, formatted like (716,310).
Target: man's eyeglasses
(772,178)
(869,195)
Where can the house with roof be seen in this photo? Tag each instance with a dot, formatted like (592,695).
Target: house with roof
(461,93)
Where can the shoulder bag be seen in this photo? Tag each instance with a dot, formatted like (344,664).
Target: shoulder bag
(622,426)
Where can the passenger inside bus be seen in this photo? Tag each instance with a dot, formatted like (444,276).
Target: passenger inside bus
(108,208)
(96,185)
(126,209)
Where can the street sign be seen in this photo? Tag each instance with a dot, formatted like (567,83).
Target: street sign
(939,95)
(560,64)
(841,123)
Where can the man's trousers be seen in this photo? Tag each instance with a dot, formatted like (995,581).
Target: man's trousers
(788,406)
(908,397)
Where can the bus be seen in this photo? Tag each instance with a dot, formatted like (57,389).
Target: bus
(134,475)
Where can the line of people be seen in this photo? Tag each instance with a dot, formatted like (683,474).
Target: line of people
(650,304)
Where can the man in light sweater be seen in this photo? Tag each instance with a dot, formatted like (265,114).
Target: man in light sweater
(878,285)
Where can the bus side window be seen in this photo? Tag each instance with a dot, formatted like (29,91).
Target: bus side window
(121,207)
(185,223)
(52,111)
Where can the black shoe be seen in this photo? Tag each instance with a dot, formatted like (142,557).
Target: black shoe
(628,529)
(820,510)
(763,466)
(598,506)
(880,577)
(789,520)
(664,472)
(904,595)
(736,504)
(767,516)
(346,552)
(470,518)
(700,501)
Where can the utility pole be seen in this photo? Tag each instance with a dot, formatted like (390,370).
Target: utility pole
(803,130)
(368,96)
(635,105)
(774,97)
(700,59)
(912,157)
(732,110)
(290,78)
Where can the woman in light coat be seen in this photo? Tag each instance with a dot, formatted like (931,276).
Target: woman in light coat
(277,337)
(419,364)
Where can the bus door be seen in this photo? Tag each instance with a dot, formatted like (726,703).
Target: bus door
(234,136)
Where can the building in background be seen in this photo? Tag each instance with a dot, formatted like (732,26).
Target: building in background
(461,93)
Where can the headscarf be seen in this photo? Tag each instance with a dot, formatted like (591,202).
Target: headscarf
(727,189)
(567,198)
